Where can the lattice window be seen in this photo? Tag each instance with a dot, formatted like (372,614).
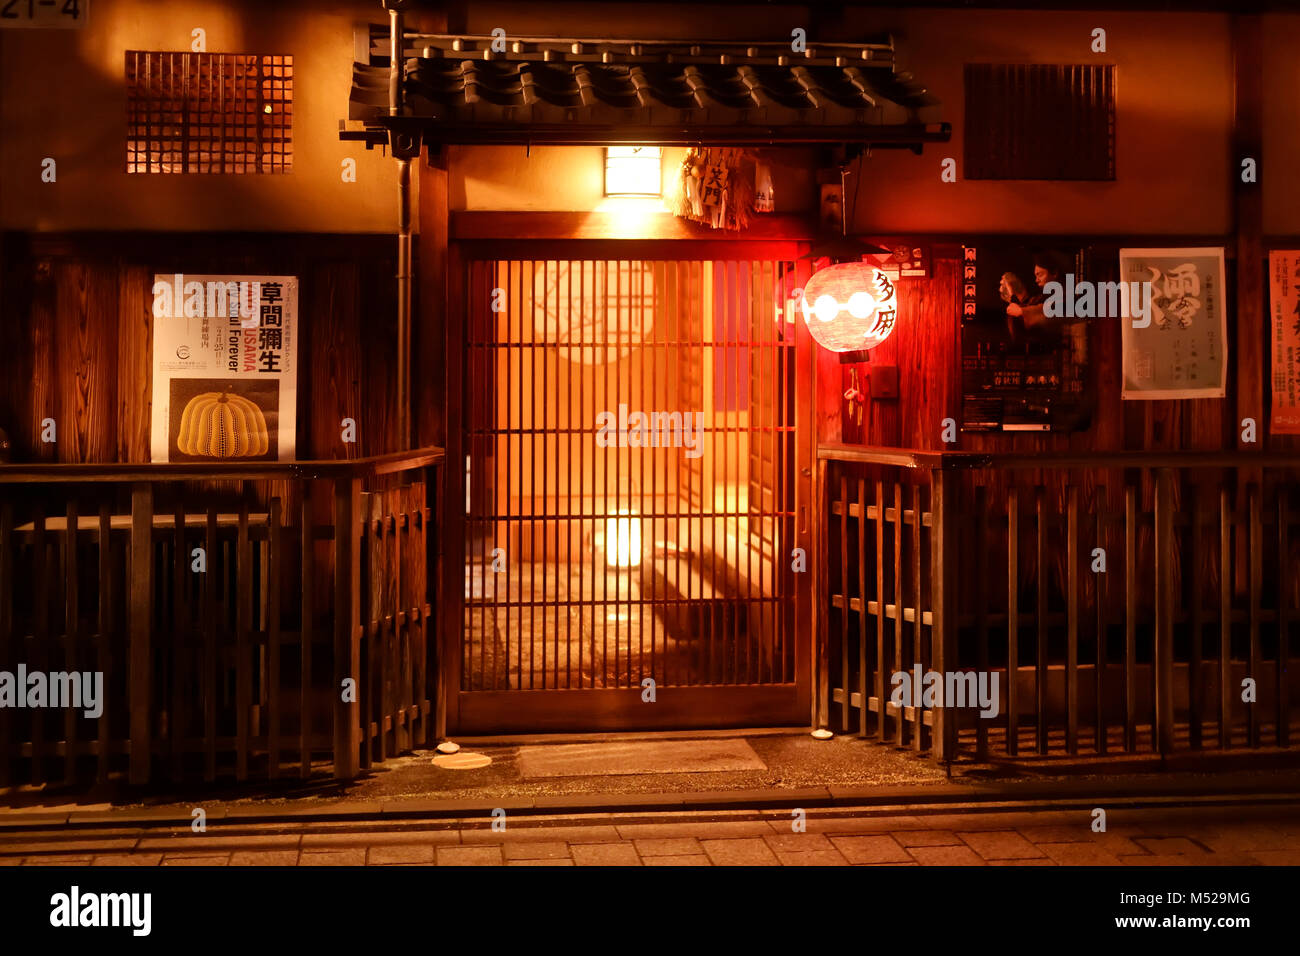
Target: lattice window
(1040,121)
(208,113)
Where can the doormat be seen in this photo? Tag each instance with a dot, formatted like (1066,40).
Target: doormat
(646,756)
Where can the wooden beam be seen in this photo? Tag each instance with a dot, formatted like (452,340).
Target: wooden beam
(609,225)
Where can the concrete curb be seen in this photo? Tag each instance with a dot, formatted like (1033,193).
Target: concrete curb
(933,799)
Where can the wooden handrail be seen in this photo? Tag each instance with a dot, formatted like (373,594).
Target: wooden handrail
(976,461)
(191,471)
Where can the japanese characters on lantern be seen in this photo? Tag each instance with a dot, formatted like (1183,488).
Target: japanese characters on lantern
(850,306)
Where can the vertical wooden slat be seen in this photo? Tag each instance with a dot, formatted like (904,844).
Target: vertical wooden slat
(1130,618)
(375,625)
(421,593)
(1040,619)
(103,654)
(71,636)
(1195,703)
(176,708)
(1013,621)
(1072,623)
(39,652)
(900,600)
(918,649)
(978,554)
(882,600)
(243,653)
(845,596)
(1253,494)
(403,534)
(141,630)
(347,609)
(210,681)
(945,577)
(1163,656)
(308,566)
(864,676)
(397,663)
(7,598)
(1101,729)
(273,649)
(821,606)
(1284,578)
(1225,619)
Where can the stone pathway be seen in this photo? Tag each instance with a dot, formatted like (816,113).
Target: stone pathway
(1244,834)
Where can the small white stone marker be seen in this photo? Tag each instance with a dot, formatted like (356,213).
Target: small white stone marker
(822,734)
(448,747)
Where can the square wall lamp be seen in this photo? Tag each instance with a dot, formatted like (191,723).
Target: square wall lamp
(633,171)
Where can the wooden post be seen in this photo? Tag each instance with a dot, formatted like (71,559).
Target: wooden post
(1072,621)
(1248,223)
(306,700)
(140,617)
(820,605)
(944,583)
(347,626)
(273,648)
(1163,657)
(435,671)
(6,626)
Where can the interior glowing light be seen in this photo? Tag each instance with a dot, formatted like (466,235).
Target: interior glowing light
(826,308)
(633,171)
(860,305)
(623,541)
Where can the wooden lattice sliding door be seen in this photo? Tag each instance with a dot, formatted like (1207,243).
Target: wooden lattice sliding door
(629,433)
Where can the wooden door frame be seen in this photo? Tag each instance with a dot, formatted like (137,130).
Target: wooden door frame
(496,236)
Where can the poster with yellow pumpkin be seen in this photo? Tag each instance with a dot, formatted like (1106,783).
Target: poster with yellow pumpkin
(224,368)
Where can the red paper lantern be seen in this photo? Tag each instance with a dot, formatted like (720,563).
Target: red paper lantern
(850,307)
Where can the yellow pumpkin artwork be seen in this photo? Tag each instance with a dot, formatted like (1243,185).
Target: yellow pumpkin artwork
(221,425)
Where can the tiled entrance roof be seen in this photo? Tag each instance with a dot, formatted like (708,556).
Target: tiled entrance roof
(555,90)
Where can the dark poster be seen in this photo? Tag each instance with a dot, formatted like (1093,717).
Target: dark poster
(1023,367)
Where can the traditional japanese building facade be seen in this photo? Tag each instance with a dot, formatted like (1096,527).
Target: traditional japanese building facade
(446,495)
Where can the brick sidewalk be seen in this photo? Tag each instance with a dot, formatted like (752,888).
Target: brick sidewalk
(1181,836)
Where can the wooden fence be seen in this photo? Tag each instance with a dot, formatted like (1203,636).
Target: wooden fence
(1126,603)
(249,621)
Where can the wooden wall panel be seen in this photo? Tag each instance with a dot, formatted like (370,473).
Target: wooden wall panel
(85,324)
(334,378)
(83,303)
(43,386)
(134,362)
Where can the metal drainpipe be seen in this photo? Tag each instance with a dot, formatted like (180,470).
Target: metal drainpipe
(404,303)
(396,64)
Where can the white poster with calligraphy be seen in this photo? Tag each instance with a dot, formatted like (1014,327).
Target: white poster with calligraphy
(225,368)
(1284,339)
(1177,346)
